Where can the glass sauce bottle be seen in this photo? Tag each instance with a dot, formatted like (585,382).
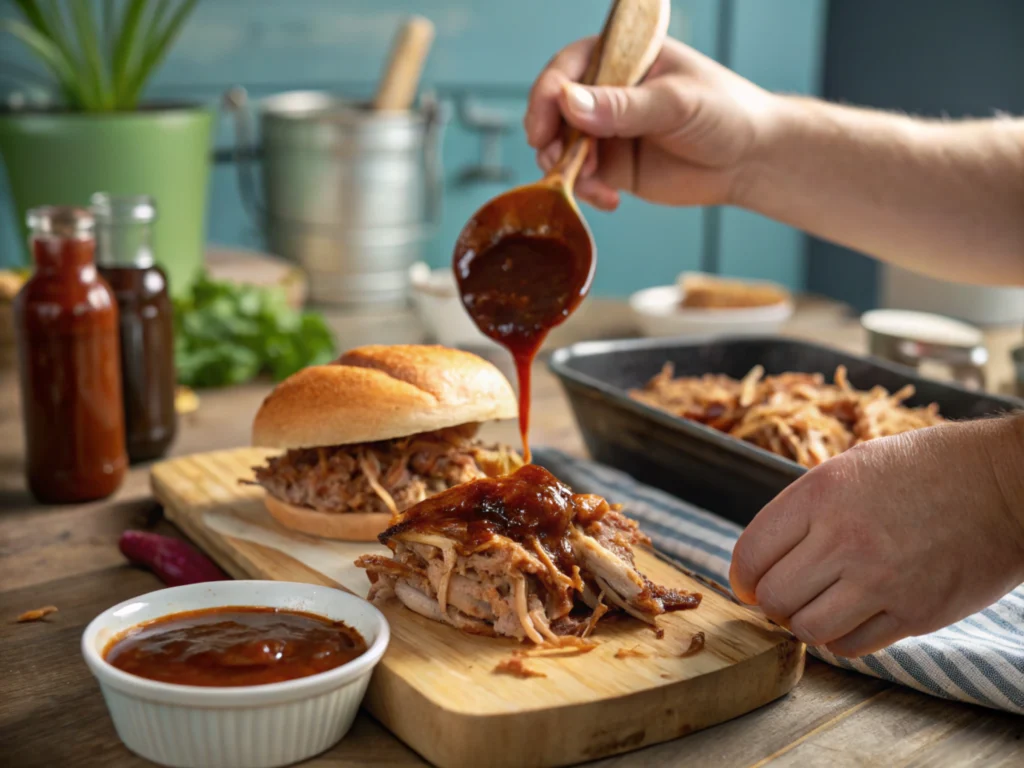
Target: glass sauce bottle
(69,361)
(124,254)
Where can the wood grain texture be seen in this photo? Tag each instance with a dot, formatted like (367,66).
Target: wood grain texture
(51,710)
(435,688)
(401,77)
(52,713)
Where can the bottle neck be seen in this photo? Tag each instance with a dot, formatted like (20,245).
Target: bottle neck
(53,254)
(124,244)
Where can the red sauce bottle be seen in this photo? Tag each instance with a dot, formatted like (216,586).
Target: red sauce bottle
(124,254)
(69,359)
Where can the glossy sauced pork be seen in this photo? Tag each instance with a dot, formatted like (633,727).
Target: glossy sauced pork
(386,476)
(518,556)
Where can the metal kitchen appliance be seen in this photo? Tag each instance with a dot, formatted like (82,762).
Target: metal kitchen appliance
(348,193)
(696,462)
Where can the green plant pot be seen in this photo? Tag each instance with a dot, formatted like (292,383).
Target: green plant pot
(62,158)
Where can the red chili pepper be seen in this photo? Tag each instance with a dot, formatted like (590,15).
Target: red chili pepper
(173,560)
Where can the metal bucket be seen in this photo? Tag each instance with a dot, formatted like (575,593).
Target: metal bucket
(349,194)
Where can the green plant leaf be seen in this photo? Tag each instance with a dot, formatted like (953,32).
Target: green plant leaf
(156,51)
(123,52)
(50,54)
(227,333)
(150,35)
(88,40)
(54,14)
(156,23)
(48,24)
(32,11)
(109,36)
(101,71)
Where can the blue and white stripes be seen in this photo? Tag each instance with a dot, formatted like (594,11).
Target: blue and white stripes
(978,660)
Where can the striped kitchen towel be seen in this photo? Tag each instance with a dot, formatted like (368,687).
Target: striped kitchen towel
(978,660)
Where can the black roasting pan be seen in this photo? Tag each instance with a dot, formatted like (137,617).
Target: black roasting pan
(697,463)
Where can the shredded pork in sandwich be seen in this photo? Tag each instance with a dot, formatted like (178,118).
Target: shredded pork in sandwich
(518,556)
(387,476)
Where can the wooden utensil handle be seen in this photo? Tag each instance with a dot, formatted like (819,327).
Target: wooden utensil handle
(626,48)
(402,76)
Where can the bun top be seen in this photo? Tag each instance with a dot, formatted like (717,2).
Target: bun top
(380,393)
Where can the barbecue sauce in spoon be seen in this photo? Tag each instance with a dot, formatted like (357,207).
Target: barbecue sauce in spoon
(518,288)
(525,260)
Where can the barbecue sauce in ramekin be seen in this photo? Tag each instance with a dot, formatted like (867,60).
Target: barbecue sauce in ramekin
(234,646)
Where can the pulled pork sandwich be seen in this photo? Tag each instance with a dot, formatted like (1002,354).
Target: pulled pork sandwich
(375,432)
(518,556)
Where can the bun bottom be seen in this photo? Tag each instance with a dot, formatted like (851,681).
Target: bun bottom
(345,526)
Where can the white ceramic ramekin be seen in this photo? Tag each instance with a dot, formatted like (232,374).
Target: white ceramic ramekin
(257,726)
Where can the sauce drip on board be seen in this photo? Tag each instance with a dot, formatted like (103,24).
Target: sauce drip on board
(234,646)
(516,290)
(529,503)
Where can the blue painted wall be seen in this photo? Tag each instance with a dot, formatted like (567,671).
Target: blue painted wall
(925,57)
(487,53)
(749,244)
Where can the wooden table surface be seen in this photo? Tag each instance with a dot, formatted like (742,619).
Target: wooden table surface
(52,714)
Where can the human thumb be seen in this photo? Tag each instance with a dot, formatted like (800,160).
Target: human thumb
(607,111)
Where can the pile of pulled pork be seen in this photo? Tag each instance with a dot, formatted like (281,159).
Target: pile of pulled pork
(518,556)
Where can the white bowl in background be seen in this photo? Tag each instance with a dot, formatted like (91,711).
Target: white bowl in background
(258,726)
(658,312)
(436,298)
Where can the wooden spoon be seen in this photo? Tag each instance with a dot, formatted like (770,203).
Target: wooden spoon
(401,77)
(526,259)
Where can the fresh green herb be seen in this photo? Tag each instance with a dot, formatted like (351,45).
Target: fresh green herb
(101,59)
(227,333)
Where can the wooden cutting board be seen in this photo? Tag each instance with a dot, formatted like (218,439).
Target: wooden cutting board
(435,688)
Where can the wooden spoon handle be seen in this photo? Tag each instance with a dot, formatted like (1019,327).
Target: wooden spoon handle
(626,48)
(402,77)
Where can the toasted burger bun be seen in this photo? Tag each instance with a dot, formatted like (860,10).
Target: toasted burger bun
(380,393)
(347,526)
(369,394)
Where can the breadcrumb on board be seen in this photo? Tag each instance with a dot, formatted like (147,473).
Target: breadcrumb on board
(516,668)
(36,614)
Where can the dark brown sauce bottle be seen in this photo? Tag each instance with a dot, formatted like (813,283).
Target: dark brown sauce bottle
(69,360)
(125,258)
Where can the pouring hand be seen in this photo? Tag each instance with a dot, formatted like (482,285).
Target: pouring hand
(682,137)
(913,192)
(896,537)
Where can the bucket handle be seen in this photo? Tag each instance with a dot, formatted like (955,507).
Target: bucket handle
(433,109)
(236,101)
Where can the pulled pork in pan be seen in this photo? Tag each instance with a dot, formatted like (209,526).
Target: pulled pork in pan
(518,556)
(386,476)
(795,415)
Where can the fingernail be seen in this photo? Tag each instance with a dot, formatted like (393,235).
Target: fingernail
(580,99)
